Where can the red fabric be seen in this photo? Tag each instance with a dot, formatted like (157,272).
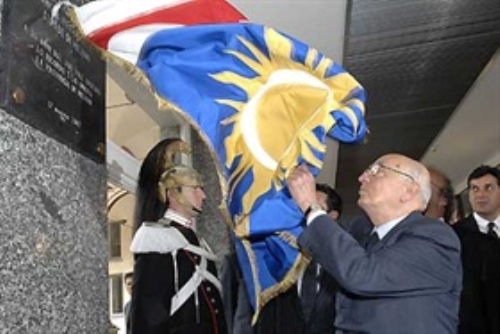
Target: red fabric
(189,13)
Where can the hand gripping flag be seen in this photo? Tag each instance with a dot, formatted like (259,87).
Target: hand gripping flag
(264,102)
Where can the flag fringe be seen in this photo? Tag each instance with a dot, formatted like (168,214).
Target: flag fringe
(262,297)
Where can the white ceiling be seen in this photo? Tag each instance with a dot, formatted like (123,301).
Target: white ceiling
(319,23)
(472,135)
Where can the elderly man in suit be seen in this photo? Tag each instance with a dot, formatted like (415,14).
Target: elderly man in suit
(480,301)
(407,282)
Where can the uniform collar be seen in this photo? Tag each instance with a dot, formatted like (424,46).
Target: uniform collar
(178,218)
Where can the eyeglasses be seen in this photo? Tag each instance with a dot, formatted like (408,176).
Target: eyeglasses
(375,168)
(196,187)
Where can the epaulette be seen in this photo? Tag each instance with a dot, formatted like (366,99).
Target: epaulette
(157,237)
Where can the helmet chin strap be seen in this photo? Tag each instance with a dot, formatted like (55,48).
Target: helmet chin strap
(184,203)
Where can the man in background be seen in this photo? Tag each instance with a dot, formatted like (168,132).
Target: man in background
(478,233)
(442,203)
(128,280)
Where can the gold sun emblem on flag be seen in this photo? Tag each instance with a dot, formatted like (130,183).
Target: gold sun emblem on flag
(286,101)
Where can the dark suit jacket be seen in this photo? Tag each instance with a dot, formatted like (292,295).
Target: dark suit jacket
(480,300)
(126,313)
(234,296)
(322,316)
(281,315)
(409,282)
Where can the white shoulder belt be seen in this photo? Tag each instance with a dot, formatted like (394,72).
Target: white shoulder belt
(161,238)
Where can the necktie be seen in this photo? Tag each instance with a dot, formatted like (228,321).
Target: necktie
(372,241)
(308,289)
(491,230)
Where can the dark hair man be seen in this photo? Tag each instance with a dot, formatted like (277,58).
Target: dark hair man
(480,300)
(407,279)
(329,200)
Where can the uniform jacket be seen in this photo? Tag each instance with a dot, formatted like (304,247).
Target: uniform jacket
(480,300)
(156,280)
(409,282)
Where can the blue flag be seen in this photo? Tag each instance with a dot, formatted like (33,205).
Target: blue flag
(264,102)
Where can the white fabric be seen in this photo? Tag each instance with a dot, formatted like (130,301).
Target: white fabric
(178,218)
(191,286)
(128,43)
(156,238)
(482,224)
(159,237)
(97,15)
(301,277)
(201,252)
(313,215)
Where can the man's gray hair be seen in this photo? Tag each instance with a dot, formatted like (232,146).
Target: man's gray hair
(422,178)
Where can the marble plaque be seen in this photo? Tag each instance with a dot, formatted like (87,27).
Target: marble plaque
(53,80)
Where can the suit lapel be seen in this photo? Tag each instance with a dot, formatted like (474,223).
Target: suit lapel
(471,224)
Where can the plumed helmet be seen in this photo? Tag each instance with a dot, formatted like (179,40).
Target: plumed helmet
(177,175)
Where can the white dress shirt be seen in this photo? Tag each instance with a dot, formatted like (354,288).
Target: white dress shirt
(483,224)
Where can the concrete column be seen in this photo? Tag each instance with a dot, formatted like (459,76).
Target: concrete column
(210,224)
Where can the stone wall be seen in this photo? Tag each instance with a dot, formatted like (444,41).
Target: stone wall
(53,239)
(210,224)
